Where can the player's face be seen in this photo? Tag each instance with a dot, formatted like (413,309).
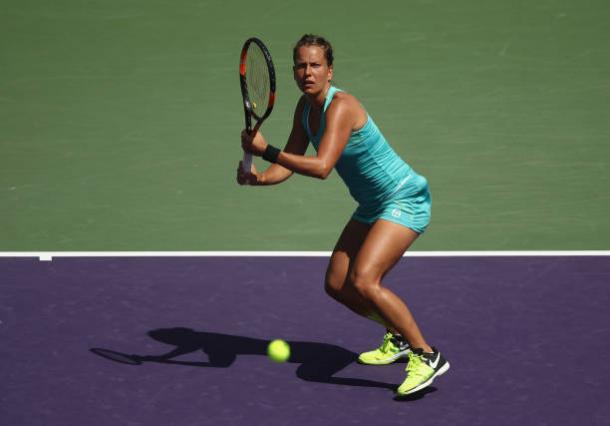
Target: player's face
(311,71)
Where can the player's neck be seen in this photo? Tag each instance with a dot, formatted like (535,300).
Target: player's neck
(317,100)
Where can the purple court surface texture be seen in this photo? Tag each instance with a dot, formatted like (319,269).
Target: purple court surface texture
(528,339)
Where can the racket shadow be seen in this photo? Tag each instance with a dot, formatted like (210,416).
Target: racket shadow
(318,362)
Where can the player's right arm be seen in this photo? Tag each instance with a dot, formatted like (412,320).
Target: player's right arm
(274,174)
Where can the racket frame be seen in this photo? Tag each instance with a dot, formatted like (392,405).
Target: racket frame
(248,109)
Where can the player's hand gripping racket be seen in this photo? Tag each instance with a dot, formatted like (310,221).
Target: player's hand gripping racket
(257,80)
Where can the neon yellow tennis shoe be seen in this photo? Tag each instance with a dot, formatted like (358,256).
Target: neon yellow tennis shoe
(421,370)
(392,349)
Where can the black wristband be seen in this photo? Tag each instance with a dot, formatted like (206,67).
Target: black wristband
(271,153)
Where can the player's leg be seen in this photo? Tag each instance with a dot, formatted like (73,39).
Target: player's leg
(393,346)
(384,245)
(344,253)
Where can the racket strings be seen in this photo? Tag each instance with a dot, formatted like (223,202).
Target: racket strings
(258,80)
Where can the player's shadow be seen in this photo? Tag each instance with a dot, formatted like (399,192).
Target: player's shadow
(318,362)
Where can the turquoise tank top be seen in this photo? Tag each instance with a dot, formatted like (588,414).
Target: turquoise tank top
(370,168)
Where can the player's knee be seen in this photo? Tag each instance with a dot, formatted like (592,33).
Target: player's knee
(365,283)
(333,288)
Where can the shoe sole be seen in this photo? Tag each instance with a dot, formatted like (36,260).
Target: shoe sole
(387,361)
(428,382)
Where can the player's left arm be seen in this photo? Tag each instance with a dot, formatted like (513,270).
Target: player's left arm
(340,120)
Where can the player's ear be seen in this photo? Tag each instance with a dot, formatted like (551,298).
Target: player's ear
(330,73)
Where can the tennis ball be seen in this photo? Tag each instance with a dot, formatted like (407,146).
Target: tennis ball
(278,350)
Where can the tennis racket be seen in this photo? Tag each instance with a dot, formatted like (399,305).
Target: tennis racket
(257,80)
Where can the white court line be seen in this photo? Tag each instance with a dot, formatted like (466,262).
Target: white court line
(50,255)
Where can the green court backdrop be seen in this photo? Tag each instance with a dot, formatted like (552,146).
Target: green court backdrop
(120,121)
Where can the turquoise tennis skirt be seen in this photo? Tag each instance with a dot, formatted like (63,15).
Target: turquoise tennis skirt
(410,206)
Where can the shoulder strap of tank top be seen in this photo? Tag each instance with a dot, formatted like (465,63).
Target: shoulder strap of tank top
(329,96)
(305,118)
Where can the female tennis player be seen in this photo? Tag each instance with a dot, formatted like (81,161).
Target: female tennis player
(393,205)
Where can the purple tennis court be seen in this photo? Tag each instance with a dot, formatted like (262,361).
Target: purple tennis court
(527,338)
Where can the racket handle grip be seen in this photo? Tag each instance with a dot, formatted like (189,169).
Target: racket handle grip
(246,164)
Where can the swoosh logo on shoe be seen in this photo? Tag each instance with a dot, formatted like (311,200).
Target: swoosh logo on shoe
(434,363)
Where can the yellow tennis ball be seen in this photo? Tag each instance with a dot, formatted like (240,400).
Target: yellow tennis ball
(278,350)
